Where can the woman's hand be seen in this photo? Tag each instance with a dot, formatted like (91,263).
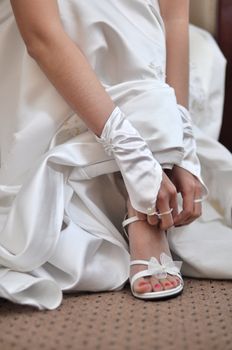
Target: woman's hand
(182,181)
(166,206)
(191,189)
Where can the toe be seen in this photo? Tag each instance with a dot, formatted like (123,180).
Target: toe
(166,284)
(170,282)
(156,285)
(173,280)
(142,285)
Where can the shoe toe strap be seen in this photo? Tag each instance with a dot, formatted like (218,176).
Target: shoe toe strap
(147,273)
(156,269)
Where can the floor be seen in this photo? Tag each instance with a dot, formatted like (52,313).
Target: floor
(201,319)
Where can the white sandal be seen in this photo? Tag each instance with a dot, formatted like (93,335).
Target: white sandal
(159,270)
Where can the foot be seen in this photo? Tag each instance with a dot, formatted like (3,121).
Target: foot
(146,241)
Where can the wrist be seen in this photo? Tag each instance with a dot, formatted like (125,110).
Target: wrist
(141,173)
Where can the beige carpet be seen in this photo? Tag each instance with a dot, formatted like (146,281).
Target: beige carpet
(201,318)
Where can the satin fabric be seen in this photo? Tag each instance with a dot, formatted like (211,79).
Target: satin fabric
(60,208)
(138,167)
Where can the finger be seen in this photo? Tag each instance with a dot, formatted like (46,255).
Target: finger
(140,215)
(166,219)
(197,205)
(188,208)
(174,204)
(152,220)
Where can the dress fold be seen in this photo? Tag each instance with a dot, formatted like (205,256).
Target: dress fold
(60,206)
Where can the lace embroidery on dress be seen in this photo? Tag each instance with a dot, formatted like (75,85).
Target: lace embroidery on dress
(158,70)
(197,95)
(72,127)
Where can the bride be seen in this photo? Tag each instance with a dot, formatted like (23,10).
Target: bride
(94,115)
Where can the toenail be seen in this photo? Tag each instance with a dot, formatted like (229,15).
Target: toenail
(174,283)
(167,284)
(157,286)
(142,283)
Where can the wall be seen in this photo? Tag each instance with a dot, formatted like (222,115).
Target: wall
(203,13)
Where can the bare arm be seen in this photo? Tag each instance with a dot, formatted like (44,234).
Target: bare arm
(62,61)
(67,68)
(175,14)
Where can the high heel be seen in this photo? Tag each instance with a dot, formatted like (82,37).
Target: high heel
(160,270)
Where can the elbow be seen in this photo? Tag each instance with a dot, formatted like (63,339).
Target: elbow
(32,43)
(34,49)
(38,43)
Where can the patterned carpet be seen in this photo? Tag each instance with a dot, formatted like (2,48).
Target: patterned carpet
(201,319)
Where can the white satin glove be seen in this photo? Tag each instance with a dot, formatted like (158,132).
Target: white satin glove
(141,173)
(190,160)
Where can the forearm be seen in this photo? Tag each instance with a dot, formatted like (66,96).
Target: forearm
(67,68)
(177,70)
(176,21)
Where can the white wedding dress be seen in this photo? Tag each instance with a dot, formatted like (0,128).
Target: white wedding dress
(60,209)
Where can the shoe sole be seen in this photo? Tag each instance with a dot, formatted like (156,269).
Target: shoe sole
(159,295)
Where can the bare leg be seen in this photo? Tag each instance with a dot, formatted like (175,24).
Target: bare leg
(146,241)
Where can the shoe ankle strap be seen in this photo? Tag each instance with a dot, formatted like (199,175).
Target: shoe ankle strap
(128,221)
